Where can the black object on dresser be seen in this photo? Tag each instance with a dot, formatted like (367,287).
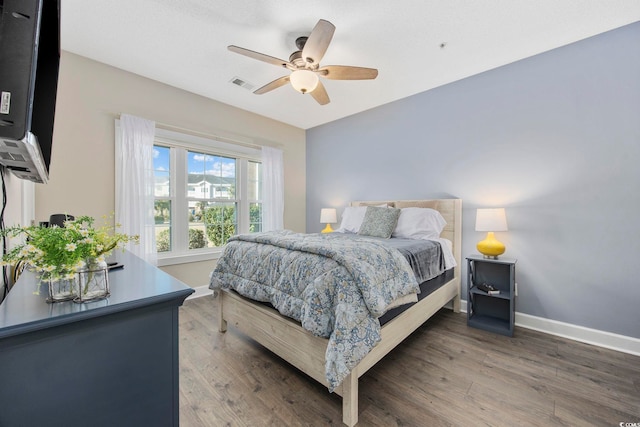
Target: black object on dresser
(112,362)
(491,294)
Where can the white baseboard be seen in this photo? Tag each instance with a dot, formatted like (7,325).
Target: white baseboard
(577,333)
(200,291)
(553,327)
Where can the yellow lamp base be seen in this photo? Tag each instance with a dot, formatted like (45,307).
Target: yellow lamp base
(327,229)
(490,247)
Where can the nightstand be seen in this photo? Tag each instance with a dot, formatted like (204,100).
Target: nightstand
(493,313)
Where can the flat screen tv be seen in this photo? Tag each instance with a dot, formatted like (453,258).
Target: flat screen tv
(29,63)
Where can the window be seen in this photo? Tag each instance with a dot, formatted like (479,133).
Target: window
(204,194)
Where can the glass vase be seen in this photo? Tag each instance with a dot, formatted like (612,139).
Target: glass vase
(61,289)
(93,281)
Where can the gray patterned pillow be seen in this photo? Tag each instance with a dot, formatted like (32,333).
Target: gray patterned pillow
(379,222)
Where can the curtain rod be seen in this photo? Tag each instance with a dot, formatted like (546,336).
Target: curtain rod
(221,138)
(232,140)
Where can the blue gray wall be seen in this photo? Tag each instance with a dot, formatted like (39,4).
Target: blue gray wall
(555,139)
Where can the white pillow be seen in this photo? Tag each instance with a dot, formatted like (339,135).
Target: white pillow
(419,223)
(352,218)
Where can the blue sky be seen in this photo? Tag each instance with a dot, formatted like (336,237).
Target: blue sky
(198,163)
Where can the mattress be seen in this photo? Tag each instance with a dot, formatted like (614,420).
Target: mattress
(427,262)
(425,257)
(426,289)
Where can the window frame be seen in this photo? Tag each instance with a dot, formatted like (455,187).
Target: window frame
(182,143)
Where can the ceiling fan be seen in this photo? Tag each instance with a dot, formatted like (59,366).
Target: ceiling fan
(305,65)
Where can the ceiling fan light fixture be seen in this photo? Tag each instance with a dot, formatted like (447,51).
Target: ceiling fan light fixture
(304,81)
(304,65)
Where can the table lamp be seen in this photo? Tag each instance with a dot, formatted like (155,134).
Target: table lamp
(328,216)
(491,220)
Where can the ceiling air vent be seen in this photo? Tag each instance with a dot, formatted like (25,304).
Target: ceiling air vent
(239,82)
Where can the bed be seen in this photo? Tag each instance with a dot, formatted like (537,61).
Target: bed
(306,351)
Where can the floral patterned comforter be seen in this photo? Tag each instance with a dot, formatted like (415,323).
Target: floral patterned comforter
(336,287)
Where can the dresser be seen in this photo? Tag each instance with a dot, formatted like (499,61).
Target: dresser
(112,362)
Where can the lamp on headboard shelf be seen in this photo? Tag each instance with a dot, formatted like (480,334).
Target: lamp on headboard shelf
(491,220)
(328,216)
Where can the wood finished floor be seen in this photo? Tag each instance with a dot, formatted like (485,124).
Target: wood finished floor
(444,374)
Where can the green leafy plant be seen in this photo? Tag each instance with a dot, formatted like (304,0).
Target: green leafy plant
(220,224)
(163,243)
(196,240)
(58,252)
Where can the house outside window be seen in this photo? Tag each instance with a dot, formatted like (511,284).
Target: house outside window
(204,194)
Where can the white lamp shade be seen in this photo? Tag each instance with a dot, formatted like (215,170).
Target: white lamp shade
(304,81)
(328,216)
(491,220)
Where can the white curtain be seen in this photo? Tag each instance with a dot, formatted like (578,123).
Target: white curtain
(273,188)
(135,183)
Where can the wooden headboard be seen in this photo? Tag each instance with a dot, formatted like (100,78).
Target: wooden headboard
(450,209)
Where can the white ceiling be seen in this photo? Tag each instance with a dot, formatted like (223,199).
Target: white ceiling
(183,43)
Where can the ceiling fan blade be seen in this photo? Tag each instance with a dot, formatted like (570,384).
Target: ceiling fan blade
(259,56)
(318,42)
(345,72)
(320,94)
(273,85)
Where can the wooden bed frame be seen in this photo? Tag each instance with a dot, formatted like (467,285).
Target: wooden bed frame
(286,338)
